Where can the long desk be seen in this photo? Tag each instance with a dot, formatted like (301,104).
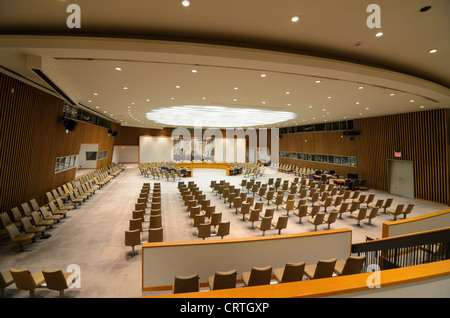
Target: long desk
(229,167)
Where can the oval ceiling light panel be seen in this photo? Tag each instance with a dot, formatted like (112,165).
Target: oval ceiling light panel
(216,116)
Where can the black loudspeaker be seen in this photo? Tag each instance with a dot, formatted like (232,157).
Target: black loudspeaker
(70,124)
(114,133)
(351,132)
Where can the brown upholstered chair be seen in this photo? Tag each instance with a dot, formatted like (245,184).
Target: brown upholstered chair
(288,206)
(265,224)
(25,280)
(352,265)
(17,237)
(362,214)
(317,220)
(38,221)
(330,218)
(155,235)
(253,216)
(6,280)
(155,221)
(47,215)
(291,272)
(257,276)
(223,229)
(30,228)
(323,269)
(186,284)
(301,212)
(408,210)
(133,238)
(222,280)
(244,209)
(281,223)
(58,280)
(204,230)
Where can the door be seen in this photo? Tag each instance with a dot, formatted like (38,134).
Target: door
(401,178)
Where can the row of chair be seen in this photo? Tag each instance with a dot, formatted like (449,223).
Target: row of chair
(148,200)
(204,217)
(257,276)
(25,280)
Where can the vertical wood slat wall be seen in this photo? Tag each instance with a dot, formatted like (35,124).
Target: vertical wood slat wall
(421,137)
(31,140)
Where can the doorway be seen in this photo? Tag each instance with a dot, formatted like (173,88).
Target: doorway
(401,178)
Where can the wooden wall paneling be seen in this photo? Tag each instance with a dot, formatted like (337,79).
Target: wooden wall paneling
(31,140)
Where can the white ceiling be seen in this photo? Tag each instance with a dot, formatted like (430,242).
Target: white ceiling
(231,43)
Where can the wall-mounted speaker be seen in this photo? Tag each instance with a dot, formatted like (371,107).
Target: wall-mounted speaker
(70,124)
(351,132)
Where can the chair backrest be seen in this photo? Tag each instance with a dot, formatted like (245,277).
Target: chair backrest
(135,224)
(260,276)
(23,279)
(318,218)
(388,202)
(204,230)
(266,222)
(282,222)
(26,224)
(5,219)
(269,212)
(245,208)
(325,268)
(362,213)
(259,206)
(254,216)
(12,230)
(353,265)
(373,213)
(216,218)
(155,234)
(293,272)
(186,284)
(55,280)
(223,229)
(34,204)
(223,280)
(315,210)
(399,208)
(332,217)
(26,208)
(409,208)
(290,204)
(132,237)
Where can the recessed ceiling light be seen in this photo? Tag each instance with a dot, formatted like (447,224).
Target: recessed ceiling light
(357,103)
(203,97)
(185,3)
(263,102)
(391,94)
(147,100)
(360,87)
(367,108)
(194,71)
(289,104)
(118,68)
(95,94)
(263,75)
(422,106)
(432,51)
(318,81)
(309,106)
(295,18)
(124,87)
(236,88)
(329,97)
(379,34)
(89,101)
(411,100)
(287,93)
(97,107)
(178,86)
